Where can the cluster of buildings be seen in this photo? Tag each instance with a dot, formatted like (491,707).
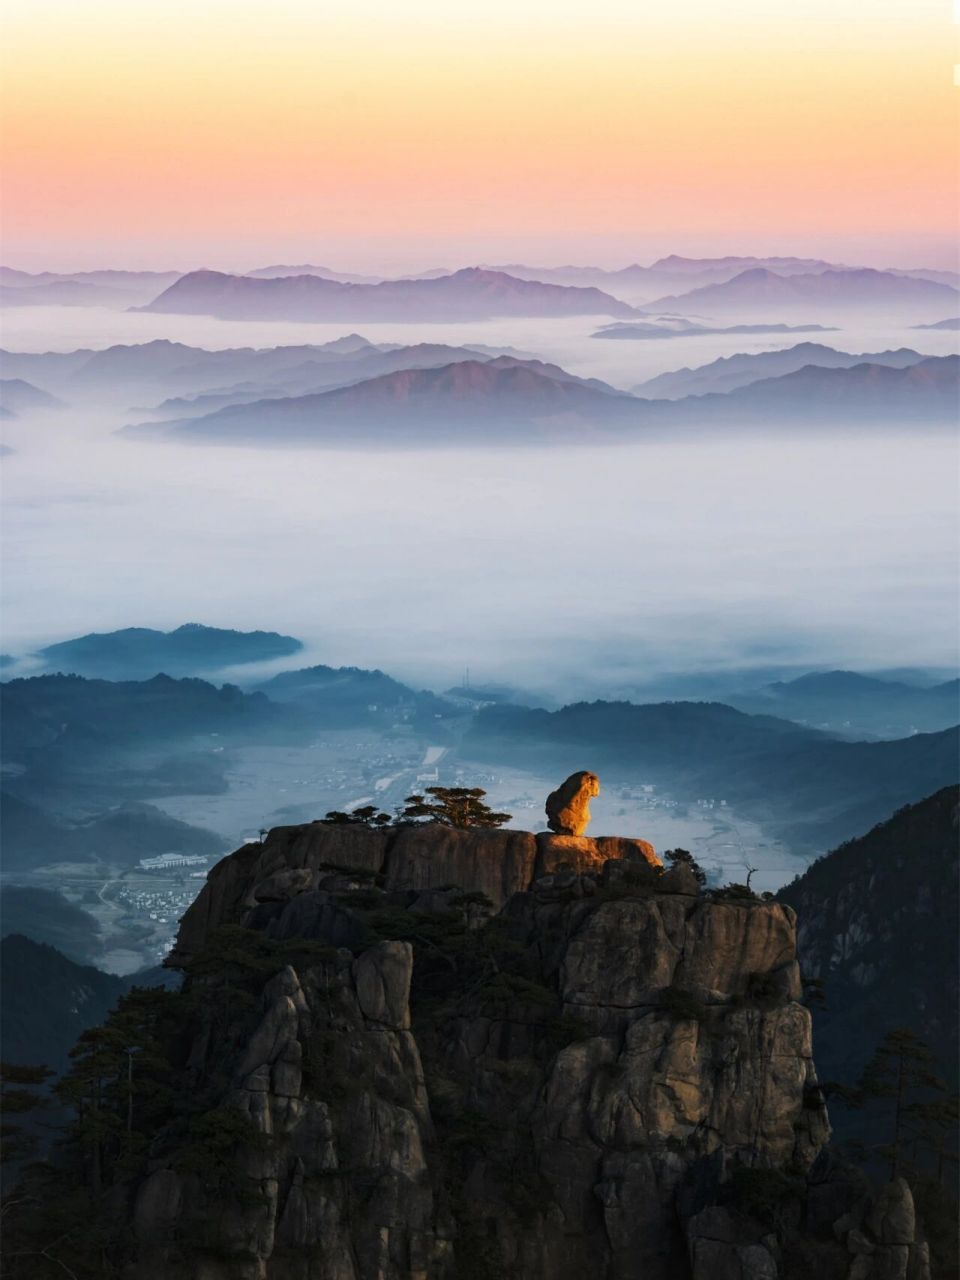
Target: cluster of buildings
(157,907)
(167,861)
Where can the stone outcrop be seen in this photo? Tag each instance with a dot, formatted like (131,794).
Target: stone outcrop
(565,1091)
(495,863)
(568,808)
(330,1082)
(588,854)
(881,1235)
(293,860)
(854,1231)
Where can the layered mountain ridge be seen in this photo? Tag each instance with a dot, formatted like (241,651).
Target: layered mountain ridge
(525,401)
(864,286)
(468,294)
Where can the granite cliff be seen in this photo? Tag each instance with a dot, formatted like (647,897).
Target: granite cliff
(427,1053)
(292,862)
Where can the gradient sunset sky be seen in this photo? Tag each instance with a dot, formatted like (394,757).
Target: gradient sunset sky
(410,133)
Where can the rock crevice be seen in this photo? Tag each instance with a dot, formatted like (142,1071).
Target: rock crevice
(559,1085)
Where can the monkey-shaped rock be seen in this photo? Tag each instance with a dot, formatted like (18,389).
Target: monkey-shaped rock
(568,808)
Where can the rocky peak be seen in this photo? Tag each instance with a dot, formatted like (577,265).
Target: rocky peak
(497,863)
(421,1052)
(553,1069)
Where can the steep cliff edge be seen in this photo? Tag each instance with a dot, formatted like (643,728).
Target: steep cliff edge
(292,860)
(557,1089)
(373,1073)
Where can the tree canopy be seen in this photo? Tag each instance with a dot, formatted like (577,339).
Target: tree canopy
(453,807)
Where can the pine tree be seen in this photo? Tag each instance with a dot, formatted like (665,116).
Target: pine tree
(900,1073)
(21,1094)
(119,1081)
(453,807)
(366,816)
(684,858)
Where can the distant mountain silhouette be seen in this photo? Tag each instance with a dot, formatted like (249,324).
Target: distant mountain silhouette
(634,281)
(640,330)
(809,786)
(45,915)
(18,396)
(929,273)
(951,324)
(463,401)
(81,288)
(506,399)
(345,697)
(924,391)
(864,287)
(730,372)
(75,746)
(139,652)
(857,705)
(676,264)
(309,269)
(47,1000)
(121,835)
(108,277)
(229,376)
(68,717)
(470,294)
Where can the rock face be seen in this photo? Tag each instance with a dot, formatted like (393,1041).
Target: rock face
(881,1235)
(294,859)
(330,1085)
(558,1090)
(568,808)
(588,854)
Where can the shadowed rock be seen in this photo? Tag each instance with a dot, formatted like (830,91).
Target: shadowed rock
(632,1043)
(281,884)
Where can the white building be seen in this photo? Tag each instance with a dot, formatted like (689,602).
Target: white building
(164,861)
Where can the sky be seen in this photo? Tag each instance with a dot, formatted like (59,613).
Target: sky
(379,134)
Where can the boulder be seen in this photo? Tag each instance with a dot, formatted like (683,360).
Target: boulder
(722,1249)
(892,1219)
(284,885)
(679,879)
(628,849)
(382,976)
(568,808)
(589,853)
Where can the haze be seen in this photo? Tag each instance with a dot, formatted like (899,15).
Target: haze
(574,571)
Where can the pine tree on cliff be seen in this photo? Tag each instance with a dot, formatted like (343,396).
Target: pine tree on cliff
(118,1083)
(453,807)
(900,1072)
(366,816)
(684,858)
(21,1094)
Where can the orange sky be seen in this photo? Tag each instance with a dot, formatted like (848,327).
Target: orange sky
(402,132)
